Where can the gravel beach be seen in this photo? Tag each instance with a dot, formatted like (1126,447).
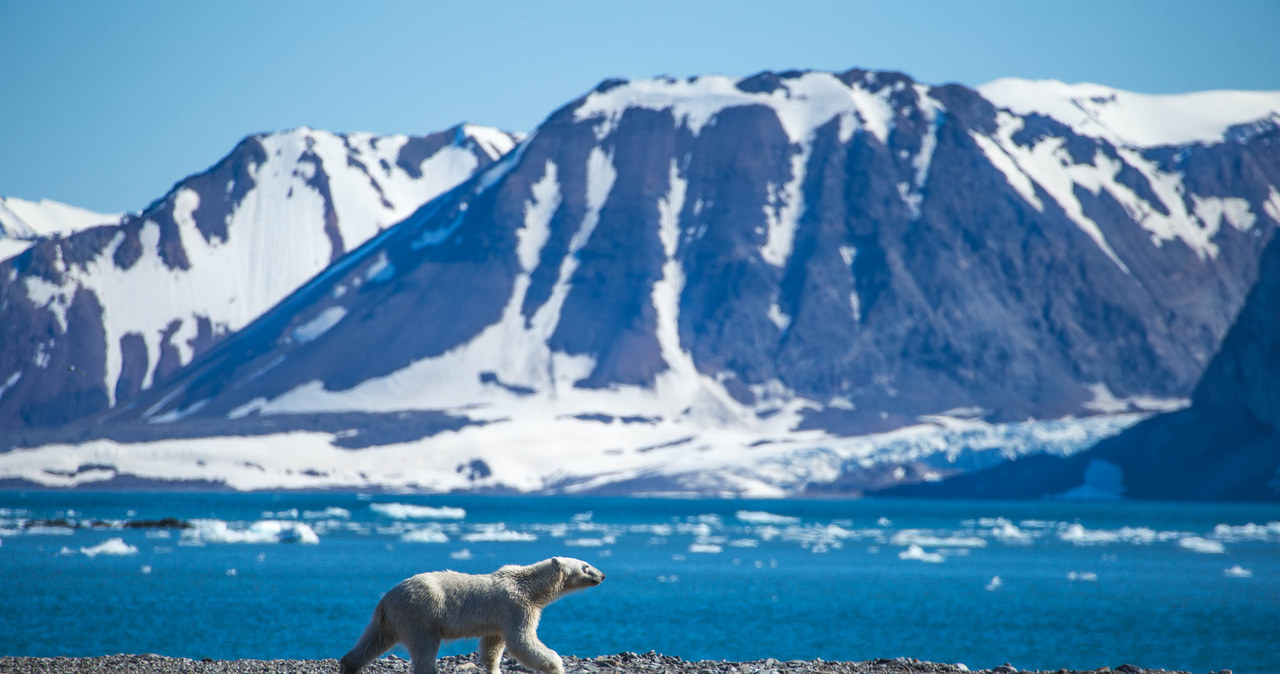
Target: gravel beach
(622,663)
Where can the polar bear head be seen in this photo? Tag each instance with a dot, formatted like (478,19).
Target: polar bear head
(577,574)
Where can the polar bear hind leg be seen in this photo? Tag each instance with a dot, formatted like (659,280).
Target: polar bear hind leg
(378,638)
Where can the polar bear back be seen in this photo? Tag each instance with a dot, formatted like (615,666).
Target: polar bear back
(457,605)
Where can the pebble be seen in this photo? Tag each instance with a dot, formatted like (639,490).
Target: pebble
(627,663)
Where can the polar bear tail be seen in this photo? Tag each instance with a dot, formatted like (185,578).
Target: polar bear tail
(378,638)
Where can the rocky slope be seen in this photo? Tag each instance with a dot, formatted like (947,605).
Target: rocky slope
(1224,447)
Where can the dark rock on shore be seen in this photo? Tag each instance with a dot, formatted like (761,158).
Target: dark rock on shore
(622,663)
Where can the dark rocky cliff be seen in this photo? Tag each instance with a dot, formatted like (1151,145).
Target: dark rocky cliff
(1224,447)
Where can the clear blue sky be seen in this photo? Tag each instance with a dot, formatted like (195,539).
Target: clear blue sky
(106,104)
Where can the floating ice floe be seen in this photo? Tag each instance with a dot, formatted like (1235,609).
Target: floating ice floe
(921,537)
(1247,532)
(1077,534)
(1197,544)
(404,511)
(262,531)
(591,542)
(498,533)
(146,569)
(705,548)
(917,553)
(994,584)
(761,517)
(425,535)
(1005,531)
(1237,571)
(114,546)
(460,554)
(330,512)
(1082,576)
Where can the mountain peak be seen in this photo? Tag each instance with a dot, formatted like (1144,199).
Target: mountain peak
(803,100)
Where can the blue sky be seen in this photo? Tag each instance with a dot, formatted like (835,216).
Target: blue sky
(107,104)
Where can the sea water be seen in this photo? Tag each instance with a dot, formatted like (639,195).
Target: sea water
(1041,585)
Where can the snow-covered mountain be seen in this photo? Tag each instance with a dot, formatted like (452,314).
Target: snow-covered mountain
(93,316)
(22,222)
(790,282)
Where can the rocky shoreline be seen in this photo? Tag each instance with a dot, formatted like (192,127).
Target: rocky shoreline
(622,663)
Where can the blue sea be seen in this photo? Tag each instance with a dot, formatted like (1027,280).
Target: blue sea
(1041,585)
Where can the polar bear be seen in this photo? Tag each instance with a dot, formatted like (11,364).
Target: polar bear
(502,608)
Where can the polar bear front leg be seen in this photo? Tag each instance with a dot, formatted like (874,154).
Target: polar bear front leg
(491,647)
(522,641)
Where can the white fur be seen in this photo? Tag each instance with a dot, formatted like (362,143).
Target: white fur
(502,608)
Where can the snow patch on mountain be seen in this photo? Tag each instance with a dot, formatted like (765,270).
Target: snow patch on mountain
(1131,119)
(25,219)
(22,221)
(537,219)
(1045,166)
(1048,165)
(495,143)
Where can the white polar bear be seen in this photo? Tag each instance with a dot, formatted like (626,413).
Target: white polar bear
(502,608)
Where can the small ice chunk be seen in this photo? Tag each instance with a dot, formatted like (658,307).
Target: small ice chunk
(1237,571)
(331,511)
(425,535)
(761,517)
(114,546)
(917,553)
(1204,545)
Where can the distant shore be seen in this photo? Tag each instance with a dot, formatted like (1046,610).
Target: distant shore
(622,663)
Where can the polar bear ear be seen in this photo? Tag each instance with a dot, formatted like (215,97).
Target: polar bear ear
(559,563)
